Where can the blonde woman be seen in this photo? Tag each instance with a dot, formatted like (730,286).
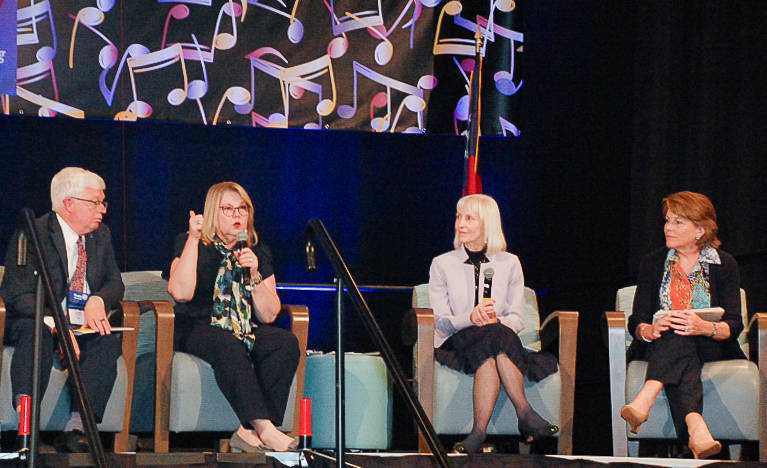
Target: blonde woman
(223,319)
(481,337)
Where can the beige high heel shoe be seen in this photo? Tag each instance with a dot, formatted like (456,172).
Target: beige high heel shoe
(703,451)
(633,417)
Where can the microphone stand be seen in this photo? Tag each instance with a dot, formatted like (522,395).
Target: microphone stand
(45,289)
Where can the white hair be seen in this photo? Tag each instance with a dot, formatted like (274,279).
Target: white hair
(487,211)
(72,182)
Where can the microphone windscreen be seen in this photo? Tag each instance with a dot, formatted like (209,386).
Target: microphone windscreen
(242,239)
(489,273)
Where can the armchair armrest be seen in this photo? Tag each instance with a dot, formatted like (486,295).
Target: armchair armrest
(562,327)
(299,325)
(130,318)
(163,311)
(616,347)
(422,320)
(757,340)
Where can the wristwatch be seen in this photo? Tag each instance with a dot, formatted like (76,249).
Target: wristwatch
(256,280)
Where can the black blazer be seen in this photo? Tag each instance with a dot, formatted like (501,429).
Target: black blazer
(102,274)
(724,281)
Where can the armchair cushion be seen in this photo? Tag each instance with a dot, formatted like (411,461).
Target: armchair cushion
(453,412)
(730,389)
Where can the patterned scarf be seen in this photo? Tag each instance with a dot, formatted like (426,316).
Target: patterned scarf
(680,291)
(231,301)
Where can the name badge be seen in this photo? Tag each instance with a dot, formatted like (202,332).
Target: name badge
(76,307)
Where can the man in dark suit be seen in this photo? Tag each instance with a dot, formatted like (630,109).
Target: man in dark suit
(86,281)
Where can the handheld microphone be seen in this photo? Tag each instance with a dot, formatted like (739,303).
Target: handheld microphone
(242,242)
(488,285)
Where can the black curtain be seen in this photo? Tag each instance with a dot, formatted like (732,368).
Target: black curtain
(700,108)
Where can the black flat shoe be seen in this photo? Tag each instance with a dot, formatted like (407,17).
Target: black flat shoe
(541,430)
(71,442)
(459,447)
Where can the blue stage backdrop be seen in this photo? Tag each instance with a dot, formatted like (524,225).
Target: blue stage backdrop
(387,200)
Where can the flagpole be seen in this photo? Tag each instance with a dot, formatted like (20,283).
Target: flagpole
(471,181)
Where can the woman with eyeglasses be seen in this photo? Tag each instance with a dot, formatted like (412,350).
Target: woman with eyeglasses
(223,319)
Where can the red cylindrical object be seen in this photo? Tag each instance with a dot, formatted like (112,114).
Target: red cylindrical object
(305,427)
(26,404)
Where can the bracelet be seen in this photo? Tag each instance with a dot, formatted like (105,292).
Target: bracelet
(641,329)
(713,332)
(256,280)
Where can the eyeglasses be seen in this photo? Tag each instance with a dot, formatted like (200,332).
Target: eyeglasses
(229,210)
(96,203)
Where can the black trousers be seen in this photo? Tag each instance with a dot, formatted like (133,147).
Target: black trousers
(98,362)
(256,384)
(677,361)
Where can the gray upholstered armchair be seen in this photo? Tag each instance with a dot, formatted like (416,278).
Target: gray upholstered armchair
(54,410)
(446,394)
(734,391)
(182,391)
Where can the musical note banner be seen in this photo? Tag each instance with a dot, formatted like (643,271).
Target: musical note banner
(375,65)
(8,47)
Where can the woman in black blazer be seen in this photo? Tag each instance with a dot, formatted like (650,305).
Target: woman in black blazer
(690,273)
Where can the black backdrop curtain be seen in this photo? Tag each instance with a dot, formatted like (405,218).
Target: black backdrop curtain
(699,113)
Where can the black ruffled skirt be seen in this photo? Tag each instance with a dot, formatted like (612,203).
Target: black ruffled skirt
(469,348)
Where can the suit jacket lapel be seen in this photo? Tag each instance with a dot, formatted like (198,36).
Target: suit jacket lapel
(57,240)
(90,252)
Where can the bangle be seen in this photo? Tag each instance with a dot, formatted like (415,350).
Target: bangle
(641,329)
(256,280)
(713,332)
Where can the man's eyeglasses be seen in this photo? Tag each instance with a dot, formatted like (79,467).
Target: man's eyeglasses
(96,203)
(229,210)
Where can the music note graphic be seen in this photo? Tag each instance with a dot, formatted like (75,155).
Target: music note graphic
(452,45)
(299,78)
(348,23)
(295,28)
(220,41)
(385,49)
(199,88)
(415,104)
(237,95)
(506,125)
(337,46)
(90,17)
(503,79)
(155,61)
(39,70)
(293,83)
(27,20)
(48,107)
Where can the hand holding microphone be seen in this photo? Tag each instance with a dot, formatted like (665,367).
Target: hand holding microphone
(484,312)
(248,261)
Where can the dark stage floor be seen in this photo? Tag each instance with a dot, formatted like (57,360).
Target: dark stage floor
(373,460)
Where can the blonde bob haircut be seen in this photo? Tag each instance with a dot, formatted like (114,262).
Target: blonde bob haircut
(72,182)
(697,208)
(212,208)
(488,213)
